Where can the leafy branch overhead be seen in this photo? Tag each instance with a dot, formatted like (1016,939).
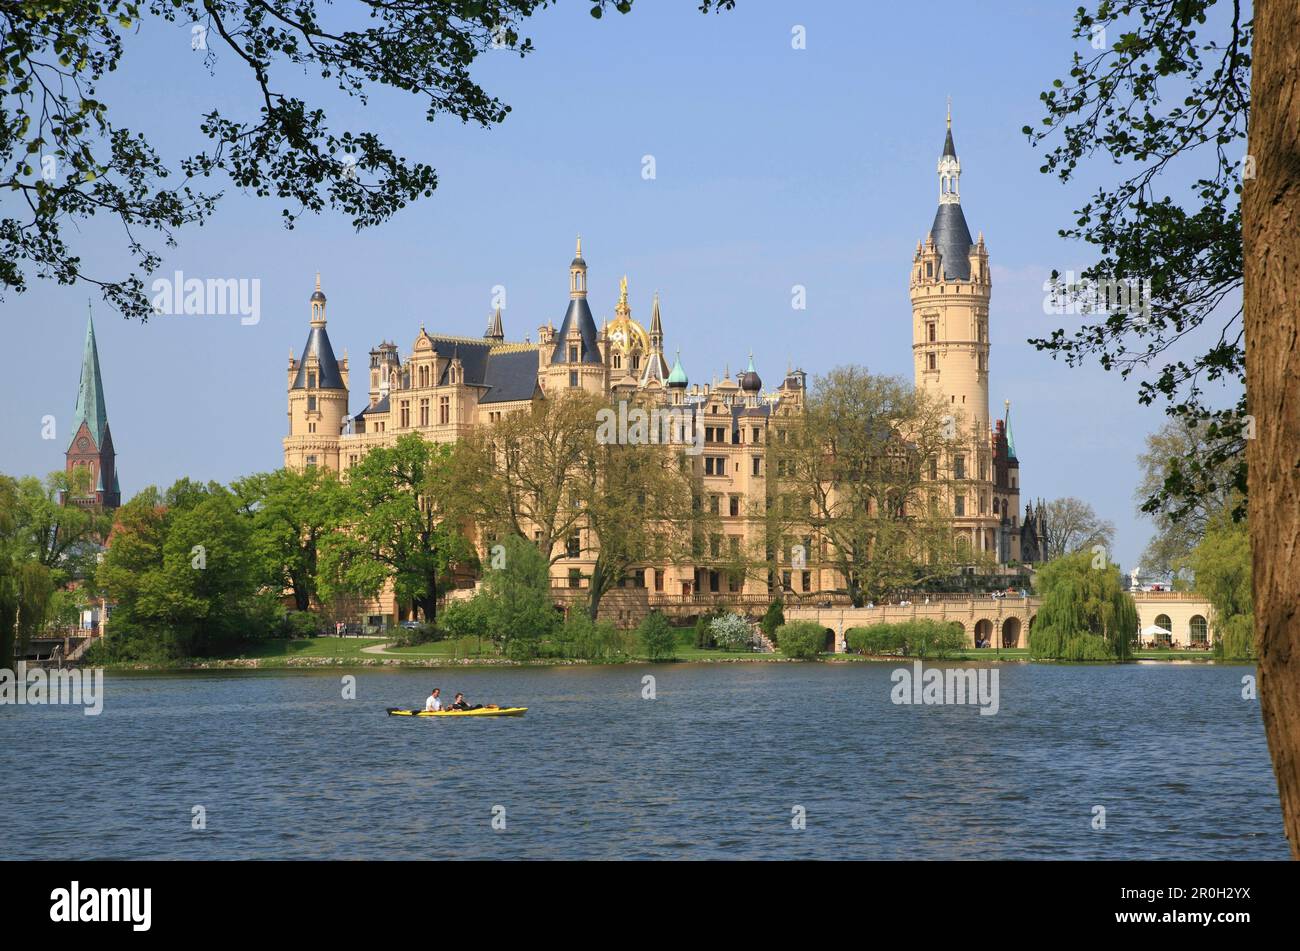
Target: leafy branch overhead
(64,161)
(1164,93)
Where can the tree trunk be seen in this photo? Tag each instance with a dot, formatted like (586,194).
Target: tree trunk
(1271,235)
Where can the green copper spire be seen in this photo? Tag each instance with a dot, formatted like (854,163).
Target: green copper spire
(1011,440)
(90,395)
(678,376)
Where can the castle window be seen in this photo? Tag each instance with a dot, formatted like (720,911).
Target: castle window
(929,269)
(756,433)
(311,460)
(931,362)
(573,353)
(405,415)
(618,362)
(444,410)
(960,505)
(934,469)
(311,427)
(424,376)
(735,506)
(311,404)
(573,378)
(758,462)
(311,379)
(931,329)
(959,467)
(424,412)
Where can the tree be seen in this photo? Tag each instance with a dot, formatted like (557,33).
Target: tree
(26,585)
(731,632)
(1269,216)
(291,514)
(398,526)
(1220,565)
(849,480)
(1164,94)
(1086,612)
(67,161)
(640,503)
(1071,525)
(178,573)
(514,477)
(517,599)
(64,538)
(1176,533)
(658,639)
(773,618)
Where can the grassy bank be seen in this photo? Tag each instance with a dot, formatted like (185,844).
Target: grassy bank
(371,652)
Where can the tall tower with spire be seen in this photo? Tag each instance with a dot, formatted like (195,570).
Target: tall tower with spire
(950,291)
(318,397)
(91,462)
(576,361)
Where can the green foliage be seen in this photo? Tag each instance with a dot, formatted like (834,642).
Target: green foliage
(1221,565)
(1166,100)
(773,618)
(425,633)
(921,638)
(395,504)
(658,639)
(800,639)
(1086,613)
(291,513)
(599,641)
(465,618)
(179,575)
(703,636)
(301,624)
(516,599)
(731,632)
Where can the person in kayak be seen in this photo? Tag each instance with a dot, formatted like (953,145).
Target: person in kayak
(434,703)
(460,704)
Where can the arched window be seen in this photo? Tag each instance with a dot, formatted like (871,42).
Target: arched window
(1200,630)
(1162,620)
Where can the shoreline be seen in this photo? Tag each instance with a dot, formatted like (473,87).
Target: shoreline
(282,663)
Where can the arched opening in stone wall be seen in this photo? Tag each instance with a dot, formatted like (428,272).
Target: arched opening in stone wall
(1011,632)
(983,633)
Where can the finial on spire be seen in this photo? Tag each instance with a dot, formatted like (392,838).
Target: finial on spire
(318,280)
(950,112)
(578,253)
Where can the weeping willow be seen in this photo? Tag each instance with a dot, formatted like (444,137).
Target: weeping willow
(26,586)
(1086,614)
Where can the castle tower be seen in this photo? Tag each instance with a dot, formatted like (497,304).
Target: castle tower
(950,291)
(496,330)
(576,360)
(90,460)
(318,397)
(656,366)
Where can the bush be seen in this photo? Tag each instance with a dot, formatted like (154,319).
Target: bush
(921,639)
(800,639)
(703,639)
(731,632)
(773,619)
(584,639)
(658,639)
(301,624)
(411,636)
(465,618)
(877,639)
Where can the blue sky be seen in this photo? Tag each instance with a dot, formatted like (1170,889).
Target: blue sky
(774,167)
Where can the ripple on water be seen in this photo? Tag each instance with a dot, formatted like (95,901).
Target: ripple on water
(716,767)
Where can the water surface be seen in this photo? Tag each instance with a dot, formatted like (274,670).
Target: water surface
(286,768)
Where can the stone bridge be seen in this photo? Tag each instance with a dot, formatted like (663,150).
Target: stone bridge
(1005,622)
(1001,622)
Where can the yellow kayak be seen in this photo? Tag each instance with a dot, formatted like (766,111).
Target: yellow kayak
(480,712)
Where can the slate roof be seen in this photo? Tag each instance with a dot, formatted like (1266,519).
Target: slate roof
(952,238)
(510,376)
(329,378)
(580,314)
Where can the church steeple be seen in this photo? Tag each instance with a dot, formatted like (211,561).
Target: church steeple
(91,462)
(495,331)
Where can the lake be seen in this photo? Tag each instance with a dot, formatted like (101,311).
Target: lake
(716,766)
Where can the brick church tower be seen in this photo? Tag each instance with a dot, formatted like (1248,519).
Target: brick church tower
(91,462)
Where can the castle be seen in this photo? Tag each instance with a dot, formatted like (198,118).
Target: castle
(448,385)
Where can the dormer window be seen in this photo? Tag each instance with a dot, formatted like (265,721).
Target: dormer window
(311,379)
(573,353)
